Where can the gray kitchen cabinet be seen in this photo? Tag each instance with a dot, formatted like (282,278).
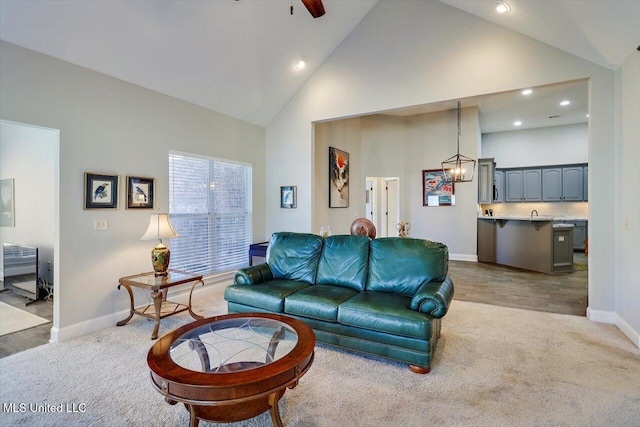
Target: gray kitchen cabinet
(513,185)
(532,185)
(498,189)
(585,182)
(572,183)
(485,180)
(579,234)
(552,184)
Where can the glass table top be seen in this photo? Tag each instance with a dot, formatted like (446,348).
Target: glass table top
(233,345)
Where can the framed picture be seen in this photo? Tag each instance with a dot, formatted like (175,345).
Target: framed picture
(7,209)
(100,191)
(289,197)
(338,178)
(436,190)
(139,192)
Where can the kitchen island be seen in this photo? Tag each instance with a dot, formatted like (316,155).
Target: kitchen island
(531,243)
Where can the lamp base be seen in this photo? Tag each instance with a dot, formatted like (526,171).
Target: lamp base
(160,256)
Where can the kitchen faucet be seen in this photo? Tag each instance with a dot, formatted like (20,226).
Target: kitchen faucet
(533,212)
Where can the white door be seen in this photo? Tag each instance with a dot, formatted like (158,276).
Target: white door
(393,214)
(370,202)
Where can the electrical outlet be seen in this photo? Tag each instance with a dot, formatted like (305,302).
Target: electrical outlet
(100,225)
(627,223)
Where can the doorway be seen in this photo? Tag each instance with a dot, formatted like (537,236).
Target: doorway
(382,204)
(29,156)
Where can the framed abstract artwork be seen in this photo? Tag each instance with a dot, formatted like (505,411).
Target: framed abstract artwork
(436,190)
(289,197)
(338,178)
(7,209)
(100,191)
(139,192)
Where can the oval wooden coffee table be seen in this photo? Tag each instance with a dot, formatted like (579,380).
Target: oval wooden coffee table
(232,367)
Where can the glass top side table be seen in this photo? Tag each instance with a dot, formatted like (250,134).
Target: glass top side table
(158,287)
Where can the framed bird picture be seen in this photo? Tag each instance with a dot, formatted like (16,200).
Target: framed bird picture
(139,192)
(100,191)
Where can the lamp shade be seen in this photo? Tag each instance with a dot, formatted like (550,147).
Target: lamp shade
(159,228)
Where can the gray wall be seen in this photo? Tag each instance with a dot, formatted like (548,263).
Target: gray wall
(538,147)
(107,125)
(390,146)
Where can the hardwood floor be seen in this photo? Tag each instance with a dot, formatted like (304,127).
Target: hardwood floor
(564,293)
(28,338)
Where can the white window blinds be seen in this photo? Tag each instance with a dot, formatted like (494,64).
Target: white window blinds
(210,203)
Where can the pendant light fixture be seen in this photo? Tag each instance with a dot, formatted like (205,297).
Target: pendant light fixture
(459,168)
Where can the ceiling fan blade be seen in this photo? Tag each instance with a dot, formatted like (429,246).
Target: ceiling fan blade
(315,7)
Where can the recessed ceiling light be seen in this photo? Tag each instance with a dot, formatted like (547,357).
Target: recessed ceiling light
(300,64)
(587,116)
(503,7)
(527,92)
(565,103)
(517,123)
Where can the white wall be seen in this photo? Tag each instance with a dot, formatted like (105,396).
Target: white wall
(107,125)
(538,147)
(628,218)
(29,155)
(406,53)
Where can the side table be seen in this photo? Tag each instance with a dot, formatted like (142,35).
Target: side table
(158,287)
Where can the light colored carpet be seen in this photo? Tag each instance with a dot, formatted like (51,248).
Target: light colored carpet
(13,319)
(494,366)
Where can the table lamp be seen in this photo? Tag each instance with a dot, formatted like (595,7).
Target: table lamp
(160,228)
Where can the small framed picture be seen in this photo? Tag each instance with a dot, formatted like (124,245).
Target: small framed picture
(7,210)
(139,192)
(100,191)
(289,197)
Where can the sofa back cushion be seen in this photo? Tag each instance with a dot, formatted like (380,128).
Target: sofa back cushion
(294,256)
(400,265)
(344,262)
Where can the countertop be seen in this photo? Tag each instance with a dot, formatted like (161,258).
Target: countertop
(534,218)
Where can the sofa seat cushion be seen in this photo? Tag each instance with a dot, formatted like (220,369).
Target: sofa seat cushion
(385,312)
(267,296)
(318,302)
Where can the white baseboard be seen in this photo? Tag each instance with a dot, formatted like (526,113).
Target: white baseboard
(109,320)
(463,257)
(613,318)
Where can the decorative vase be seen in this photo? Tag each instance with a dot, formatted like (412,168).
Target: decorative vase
(160,256)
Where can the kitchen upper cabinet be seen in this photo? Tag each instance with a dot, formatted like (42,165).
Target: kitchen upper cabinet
(552,184)
(532,185)
(513,185)
(498,189)
(563,184)
(485,180)
(572,183)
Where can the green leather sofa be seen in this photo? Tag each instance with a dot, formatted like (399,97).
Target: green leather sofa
(383,296)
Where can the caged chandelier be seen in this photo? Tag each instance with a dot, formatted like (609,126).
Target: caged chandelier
(459,168)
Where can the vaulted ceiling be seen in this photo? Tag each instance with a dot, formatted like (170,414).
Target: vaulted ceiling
(236,57)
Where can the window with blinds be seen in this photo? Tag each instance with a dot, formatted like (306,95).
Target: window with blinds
(210,204)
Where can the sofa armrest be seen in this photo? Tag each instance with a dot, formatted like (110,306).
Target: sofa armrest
(253,275)
(433,298)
